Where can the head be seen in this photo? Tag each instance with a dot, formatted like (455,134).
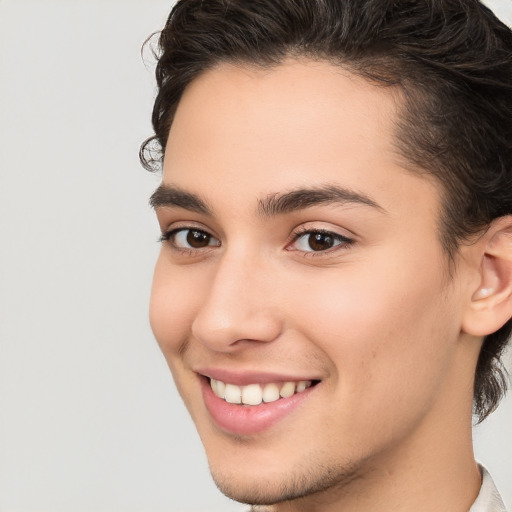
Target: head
(436,77)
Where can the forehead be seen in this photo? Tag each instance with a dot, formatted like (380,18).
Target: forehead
(302,123)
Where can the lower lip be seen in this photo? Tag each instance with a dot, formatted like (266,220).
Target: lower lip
(246,420)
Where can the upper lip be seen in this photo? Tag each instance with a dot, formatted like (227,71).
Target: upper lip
(246,377)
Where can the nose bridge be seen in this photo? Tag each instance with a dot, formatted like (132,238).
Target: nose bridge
(237,305)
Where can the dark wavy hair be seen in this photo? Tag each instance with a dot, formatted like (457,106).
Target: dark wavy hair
(451,60)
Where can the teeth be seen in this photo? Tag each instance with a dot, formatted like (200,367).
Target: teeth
(255,394)
(302,385)
(270,393)
(252,394)
(233,394)
(219,388)
(287,390)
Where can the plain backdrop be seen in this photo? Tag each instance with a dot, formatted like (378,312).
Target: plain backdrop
(89,418)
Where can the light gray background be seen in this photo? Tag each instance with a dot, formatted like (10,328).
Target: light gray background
(89,419)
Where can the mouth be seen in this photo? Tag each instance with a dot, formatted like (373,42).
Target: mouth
(251,407)
(256,394)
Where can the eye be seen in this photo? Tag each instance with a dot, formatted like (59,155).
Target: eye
(319,240)
(190,238)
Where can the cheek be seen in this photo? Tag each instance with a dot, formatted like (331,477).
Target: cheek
(386,344)
(382,327)
(172,307)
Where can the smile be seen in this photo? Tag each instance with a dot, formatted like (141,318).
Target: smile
(255,394)
(252,406)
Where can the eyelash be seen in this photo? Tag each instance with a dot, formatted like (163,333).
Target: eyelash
(343,242)
(168,236)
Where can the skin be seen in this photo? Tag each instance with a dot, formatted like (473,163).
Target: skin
(378,321)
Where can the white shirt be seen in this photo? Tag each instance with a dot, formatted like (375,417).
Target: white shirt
(488,499)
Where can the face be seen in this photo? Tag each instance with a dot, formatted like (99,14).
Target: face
(301,274)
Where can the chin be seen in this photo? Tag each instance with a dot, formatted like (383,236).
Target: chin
(292,484)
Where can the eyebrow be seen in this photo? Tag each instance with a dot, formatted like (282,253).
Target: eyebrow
(302,198)
(273,205)
(171,196)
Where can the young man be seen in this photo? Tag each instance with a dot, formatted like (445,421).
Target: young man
(334,289)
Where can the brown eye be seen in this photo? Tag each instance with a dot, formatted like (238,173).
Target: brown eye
(192,239)
(318,241)
(198,239)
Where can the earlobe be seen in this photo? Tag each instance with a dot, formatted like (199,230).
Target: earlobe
(491,302)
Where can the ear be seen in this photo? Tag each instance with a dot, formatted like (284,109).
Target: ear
(491,301)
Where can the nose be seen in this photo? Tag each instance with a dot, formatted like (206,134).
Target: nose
(239,306)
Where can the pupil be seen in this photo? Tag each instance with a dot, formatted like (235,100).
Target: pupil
(197,239)
(320,241)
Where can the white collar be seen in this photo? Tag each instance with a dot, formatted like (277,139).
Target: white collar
(488,499)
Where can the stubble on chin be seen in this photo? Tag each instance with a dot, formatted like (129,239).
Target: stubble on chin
(299,484)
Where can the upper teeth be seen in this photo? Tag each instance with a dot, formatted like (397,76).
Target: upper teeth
(254,394)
